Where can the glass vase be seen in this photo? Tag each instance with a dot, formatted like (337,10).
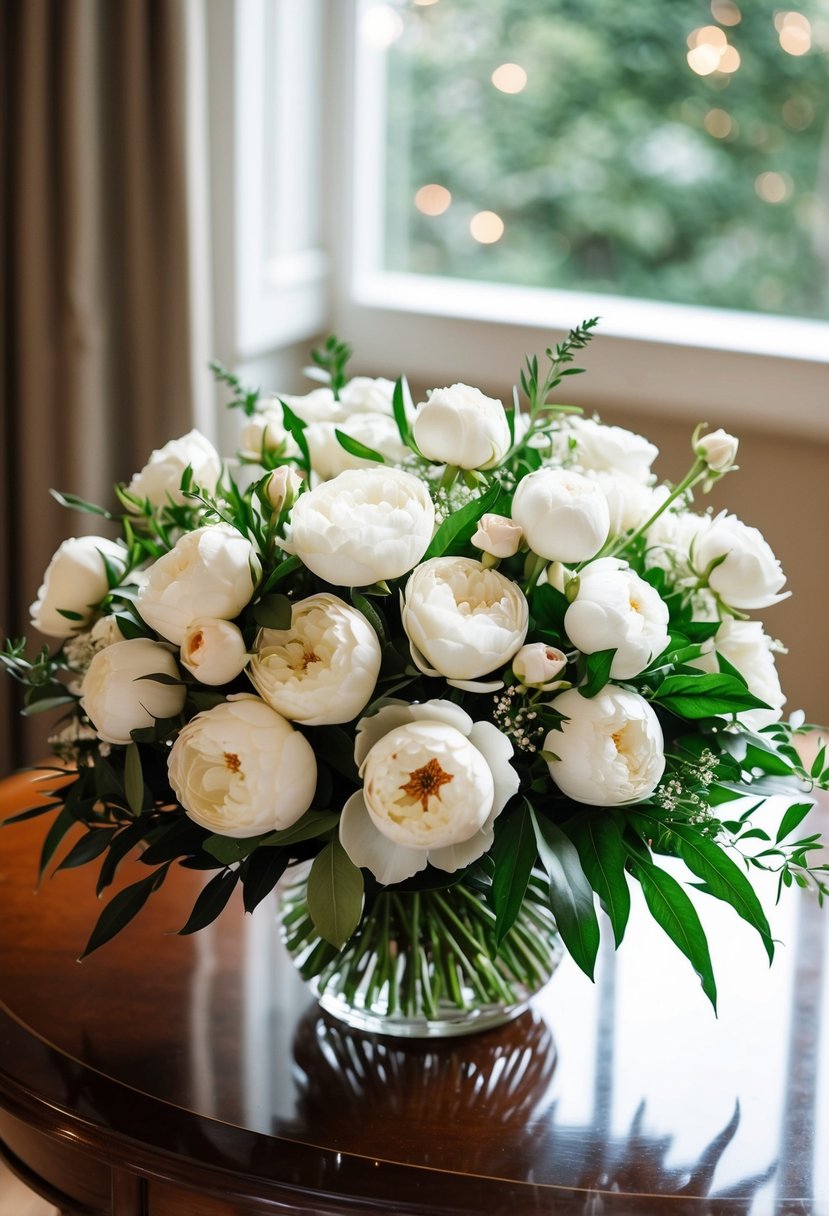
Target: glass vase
(424,964)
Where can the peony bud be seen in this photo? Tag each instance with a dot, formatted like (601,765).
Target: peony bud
(718,450)
(498,536)
(538,665)
(213,650)
(281,487)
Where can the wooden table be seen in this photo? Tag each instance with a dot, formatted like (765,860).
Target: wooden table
(194,1075)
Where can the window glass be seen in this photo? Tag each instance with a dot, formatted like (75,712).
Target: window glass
(666,151)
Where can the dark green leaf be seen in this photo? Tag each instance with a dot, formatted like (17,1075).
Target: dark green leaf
(119,847)
(571,896)
(458,527)
(602,854)
(514,854)
(211,901)
(770,762)
(88,848)
(273,612)
(597,671)
(311,825)
(280,572)
(335,894)
(229,849)
(370,613)
(337,746)
(133,779)
(161,677)
(64,821)
(673,911)
(355,448)
(260,874)
(122,908)
(401,402)
(32,813)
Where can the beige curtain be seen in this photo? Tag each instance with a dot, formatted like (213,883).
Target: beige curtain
(95,318)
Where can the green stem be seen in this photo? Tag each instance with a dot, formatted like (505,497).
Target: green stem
(698,470)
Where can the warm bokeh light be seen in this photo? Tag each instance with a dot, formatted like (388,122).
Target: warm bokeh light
(432,199)
(709,51)
(719,123)
(509,78)
(381,25)
(794,40)
(424,3)
(726,12)
(773,187)
(704,59)
(707,35)
(729,60)
(792,19)
(486,227)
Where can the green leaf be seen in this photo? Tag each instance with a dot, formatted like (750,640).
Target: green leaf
(355,448)
(602,854)
(120,845)
(769,761)
(89,847)
(370,613)
(273,612)
(230,849)
(548,606)
(280,572)
(337,747)
(571,895)
(673,911)
(64,821)
(707,695)
(161,677)
(122,908)
(335,894)
(211,901)
(514,854)
(296,427)
(458,527)
(793,817)
(260,874)
(133,779)
(79,504)
(44,704)
(308,827)
(400,402)
(598,672)
(722,876)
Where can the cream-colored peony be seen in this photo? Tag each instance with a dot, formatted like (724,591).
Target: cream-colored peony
(213,650)
(159,482)
(460,426)
(564,515)
(615,609)
(119,695)
(75,582)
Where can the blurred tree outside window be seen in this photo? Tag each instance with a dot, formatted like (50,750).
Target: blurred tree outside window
(664,151)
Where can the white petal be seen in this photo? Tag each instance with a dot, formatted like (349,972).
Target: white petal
(369,849)
(498,751)
(456,856)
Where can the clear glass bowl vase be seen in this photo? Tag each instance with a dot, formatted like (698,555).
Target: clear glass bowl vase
(424,964)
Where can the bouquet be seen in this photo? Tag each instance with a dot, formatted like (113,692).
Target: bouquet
(448,663)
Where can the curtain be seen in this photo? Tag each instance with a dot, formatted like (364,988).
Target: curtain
(95,314)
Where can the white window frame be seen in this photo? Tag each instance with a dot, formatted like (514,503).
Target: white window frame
(727,368)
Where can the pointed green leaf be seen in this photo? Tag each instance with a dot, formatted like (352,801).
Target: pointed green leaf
(355,448)
(230,849)
(514,854)
(793,817)
(602,854)
(122,908)
(260,874)
(371,614)
(598,672)
(458,527)
(571,895)
(401,404)
(87,848)
(673,911)
(211,901)
(335,894)
(64,821)
(273,612)
(133,779)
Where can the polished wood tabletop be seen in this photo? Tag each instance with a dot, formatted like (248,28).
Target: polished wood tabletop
(195,1075)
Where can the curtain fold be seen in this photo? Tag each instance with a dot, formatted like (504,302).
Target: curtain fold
(95,316)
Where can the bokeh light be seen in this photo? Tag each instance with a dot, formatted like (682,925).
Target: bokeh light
(486,227)
(773,187)
(719,123)
(381,26)
(709,51)
(432,199)
(509,78)
(726,12)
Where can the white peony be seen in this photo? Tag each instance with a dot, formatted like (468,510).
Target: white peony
(367,395)
(213,650)
(631,502)
(610,748)
(377,431)
(615,609)
(564,515)
(460,426)
(746,646)
(538,665)
(462,619)
(159,482)
(593,445)
(117,695)
(240,769)
(263,433)
(363,526)
(322,669)
(434,783)
(210,572)
(75,582)
(747,575)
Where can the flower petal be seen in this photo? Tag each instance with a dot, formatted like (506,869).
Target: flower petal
(371,850)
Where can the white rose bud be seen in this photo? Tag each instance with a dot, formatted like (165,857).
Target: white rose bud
(539,665)
(75,582)
(434,783)
(749,575)
(610,747)
(213,650)
(211,571)
(321,670)
(282,487)
(240,769)
(159,482)
(498,535)
(116,694)
(718,450)
(363,526)
(615,609)
(460,426)
(564,515)
(462,619)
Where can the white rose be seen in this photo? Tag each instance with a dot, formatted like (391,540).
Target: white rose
(610,748)
(282,487)
(366,395)
(498,535)
(631,502)
(539,665)
(718,450)
(159,482)
(264,434)
(321,670)
(75,582)
(615,609)
(363,526)
(749,576)
(377,431)
(240,769)
(116,694)
(595,446)
(564,515)
(213,650)
(211,572)
(460,426)
(746,646)
(317,406)
(434,783)
(462,619)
